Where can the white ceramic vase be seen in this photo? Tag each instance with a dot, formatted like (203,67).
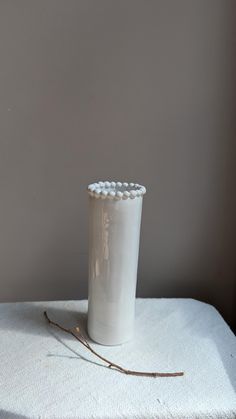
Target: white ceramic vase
(115,210)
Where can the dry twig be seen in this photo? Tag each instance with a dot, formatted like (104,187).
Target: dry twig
(112,365)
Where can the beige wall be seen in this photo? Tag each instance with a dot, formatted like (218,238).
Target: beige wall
(125,89)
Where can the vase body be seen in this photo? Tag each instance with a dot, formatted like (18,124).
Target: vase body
(114,231)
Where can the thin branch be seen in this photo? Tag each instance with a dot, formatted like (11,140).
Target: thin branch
(112,365)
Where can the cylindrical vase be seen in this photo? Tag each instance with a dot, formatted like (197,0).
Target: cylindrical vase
(115,211)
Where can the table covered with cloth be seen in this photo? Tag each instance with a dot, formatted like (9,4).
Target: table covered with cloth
(46,373)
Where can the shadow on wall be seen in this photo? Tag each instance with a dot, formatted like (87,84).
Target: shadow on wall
(198,261)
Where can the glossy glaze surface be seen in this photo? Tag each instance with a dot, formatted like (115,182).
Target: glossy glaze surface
(114,230)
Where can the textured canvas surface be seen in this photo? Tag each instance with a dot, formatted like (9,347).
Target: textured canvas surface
(44,373)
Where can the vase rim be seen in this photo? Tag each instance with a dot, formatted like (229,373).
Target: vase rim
(116,190)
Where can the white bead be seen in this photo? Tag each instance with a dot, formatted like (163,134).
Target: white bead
(98,190)
(113,184)
(119,194)
(119,184)
(125,184)
(126,195)
(133,194)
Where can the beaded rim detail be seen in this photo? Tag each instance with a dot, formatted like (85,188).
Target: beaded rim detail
(116,190)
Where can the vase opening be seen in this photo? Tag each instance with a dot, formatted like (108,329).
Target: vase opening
(117,190)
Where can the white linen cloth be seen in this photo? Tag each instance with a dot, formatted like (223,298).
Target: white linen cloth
(45,373)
